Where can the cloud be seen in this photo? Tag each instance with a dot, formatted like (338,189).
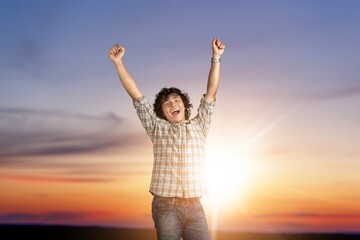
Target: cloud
(32,132)
(311,215)
(301,150)
(55,179)
(26,48)
(49,217)
(25,112)
(335,93)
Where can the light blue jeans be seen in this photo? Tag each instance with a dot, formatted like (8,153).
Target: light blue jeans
(173,222)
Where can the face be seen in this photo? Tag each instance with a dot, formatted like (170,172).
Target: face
(174,109)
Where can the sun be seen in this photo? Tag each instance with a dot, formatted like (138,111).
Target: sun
(229,176)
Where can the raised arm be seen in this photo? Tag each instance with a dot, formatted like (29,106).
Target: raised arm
(116,54)
(214,74)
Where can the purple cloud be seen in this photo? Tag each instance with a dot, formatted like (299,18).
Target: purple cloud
(49,217)
(31,132)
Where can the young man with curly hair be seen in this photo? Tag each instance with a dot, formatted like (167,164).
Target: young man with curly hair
(178,178)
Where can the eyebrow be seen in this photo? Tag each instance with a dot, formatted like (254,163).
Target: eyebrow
(166,99)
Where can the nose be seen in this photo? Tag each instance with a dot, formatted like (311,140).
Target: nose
(172,103)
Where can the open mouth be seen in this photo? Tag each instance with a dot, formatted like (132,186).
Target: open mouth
(175,112)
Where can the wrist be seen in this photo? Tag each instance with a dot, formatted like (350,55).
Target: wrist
(215,55)
(216,58)
(118,62)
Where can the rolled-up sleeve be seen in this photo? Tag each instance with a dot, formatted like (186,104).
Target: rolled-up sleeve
(204,114)
(146,114)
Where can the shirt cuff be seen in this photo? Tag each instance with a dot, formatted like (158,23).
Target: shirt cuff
(141,101)
(207,102)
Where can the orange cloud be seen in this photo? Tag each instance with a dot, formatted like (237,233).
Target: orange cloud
(310,215)
(54,179)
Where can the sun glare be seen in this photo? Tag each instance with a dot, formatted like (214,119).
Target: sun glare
(229,176)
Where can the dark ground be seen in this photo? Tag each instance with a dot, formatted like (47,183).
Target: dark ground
(38,232)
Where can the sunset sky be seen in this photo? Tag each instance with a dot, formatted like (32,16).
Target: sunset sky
(283,150)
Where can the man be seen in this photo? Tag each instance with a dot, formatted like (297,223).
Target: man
(178,176)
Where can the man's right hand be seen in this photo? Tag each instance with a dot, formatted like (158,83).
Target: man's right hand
(116,53)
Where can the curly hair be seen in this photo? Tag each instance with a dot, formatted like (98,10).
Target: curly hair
(164,94)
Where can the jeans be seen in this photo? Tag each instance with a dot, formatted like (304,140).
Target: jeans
(173,222)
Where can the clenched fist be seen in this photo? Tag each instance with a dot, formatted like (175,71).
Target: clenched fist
(116,53)
(218,48)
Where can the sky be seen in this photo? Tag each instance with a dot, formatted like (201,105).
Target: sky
(283,148)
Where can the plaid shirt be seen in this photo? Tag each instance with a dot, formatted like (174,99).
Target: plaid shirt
(179,151)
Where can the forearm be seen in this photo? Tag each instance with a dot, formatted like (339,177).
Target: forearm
(213,80)
(127,81)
